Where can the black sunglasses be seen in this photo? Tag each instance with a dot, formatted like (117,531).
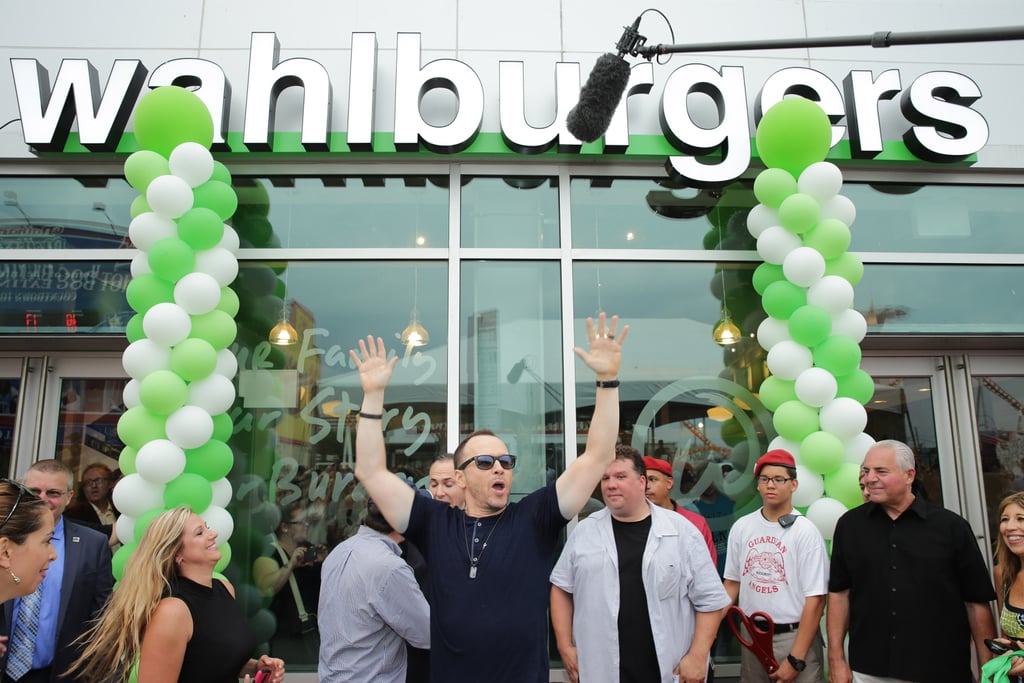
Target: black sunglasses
(21,494)
(486,462)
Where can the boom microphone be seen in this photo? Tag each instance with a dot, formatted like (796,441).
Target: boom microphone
(601,94)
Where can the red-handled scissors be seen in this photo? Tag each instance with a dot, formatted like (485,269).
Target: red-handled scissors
(762,631)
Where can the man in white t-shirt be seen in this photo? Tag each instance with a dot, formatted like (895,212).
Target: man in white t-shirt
(777,564)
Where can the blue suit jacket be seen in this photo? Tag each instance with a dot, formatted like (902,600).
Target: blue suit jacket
(88,581)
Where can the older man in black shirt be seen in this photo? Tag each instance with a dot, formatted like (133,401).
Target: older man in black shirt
(908,581)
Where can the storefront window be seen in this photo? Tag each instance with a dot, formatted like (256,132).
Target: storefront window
(510,212)
(64,297)
(91,212)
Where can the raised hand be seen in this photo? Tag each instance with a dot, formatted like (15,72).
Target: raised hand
(605,353)
(374,367)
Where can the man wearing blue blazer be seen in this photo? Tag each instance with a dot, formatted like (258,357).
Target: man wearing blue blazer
(41,626)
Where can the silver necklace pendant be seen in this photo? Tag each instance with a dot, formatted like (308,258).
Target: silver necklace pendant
(472,571)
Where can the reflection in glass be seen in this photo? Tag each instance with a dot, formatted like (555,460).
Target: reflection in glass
(10,390)
(510,212)
(65,213)
(87,423)
(512,374)
(999,405)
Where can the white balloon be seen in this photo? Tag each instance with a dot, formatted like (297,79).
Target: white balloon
(788,359)
(145,356)
(148,228)
(857,447)
(822,181)
(781,443)
(140,264)
(197,293)
(218,262)
(811,487)
(803,266)
(771,331)
(816,387)
(824,513)
(214,394)
(169,196)
(191,162)
(841,208)
(124,527)
(221,492)
(229,240)
(130,394)
(189,427)
(775,243)
(167,324)
(760,218)
(833,293)
(219,519)
(844,417)
(134,495)
(850,323)
(160,461)
(227,364)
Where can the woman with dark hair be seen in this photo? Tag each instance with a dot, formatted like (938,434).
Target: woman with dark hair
(25,533)
(1008,578)
(171,617)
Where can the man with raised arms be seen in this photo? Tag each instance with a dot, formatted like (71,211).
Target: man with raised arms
(489,564)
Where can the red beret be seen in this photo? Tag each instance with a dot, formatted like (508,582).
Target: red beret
(658,465)
(776,457)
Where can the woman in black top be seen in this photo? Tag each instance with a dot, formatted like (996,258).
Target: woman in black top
(171,616)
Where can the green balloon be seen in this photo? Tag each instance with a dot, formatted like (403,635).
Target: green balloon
(188,489)
(732,432)
(168,116)
(223,427)
(138,426)
(843,484)
(172,259)
(810,325)
(225,557)
(838,354)
(133,330)
(145,519)
(217,196)
(221,173)
(162,392)
(148,290)
(794,420)
(776,391)
(799,213)
(228,301)
(193,359)
(858,385)
(216,327)
(773,185)
(120,559)
(821,452)
(847,266)
(126,460)
(793,134)
(139,206)
(765,274)
(831,237)
(711,240)
(141,167)
(201,228)
(782,298)
(212,460)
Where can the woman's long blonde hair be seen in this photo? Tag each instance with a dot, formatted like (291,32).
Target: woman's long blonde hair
(113,643)
(1009,564)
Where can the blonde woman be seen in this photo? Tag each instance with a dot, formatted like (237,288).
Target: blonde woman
(172,616)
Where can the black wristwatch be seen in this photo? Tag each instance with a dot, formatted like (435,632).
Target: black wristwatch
(798,664)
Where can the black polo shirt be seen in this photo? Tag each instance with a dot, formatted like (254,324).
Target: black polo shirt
(908,580)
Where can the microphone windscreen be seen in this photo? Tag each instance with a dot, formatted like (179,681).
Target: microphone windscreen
(599,98)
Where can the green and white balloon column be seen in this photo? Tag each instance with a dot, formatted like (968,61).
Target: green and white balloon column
(817,390)
(176,422)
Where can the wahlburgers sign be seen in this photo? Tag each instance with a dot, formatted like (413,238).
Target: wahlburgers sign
(940,125)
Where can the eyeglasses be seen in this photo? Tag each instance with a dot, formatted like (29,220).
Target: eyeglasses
(21,494)
(301,522)
(94,482)
(52,494)
(778,481)
(486,462)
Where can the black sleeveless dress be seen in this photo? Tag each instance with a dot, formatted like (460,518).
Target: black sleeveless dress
(221,642)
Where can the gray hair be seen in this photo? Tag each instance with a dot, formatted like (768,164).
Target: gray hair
(904,454)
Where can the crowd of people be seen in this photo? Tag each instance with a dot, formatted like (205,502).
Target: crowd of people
(459,583)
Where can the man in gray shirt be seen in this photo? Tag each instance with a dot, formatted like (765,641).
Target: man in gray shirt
(370,606)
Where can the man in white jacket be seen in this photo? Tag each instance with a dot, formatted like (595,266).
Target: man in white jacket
(647,570)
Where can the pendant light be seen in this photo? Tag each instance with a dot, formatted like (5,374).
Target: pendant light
(283,333)
(726,333)
(414,333)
